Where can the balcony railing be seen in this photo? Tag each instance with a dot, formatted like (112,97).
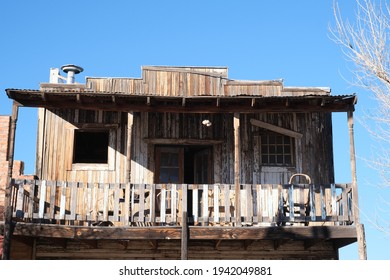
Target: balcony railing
(76,203)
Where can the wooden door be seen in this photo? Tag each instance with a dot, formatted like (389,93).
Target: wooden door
(169,165)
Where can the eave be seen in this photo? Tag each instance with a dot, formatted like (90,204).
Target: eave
(195,104)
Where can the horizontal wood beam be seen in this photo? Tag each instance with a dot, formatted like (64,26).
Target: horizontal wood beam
(294,233)
(339,235)
(167,141)
(277,129)
(195,104)
(96,233)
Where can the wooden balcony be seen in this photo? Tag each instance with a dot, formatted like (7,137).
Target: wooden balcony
(193,215)
(75,203)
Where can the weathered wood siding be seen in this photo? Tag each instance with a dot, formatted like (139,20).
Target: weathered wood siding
(170,249)
(313,153)
(55,145)
(196,81)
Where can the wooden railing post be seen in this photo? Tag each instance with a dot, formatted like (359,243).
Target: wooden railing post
(184,224)
(237,165)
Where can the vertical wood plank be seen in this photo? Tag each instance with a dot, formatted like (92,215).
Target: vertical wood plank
(334,202)
(116,202)
(31,202)
(127,204)
(259,204)
(73,200)
(322,201)
(280,215)
(302,203)
(63,200)
(249,204)
(291,202)
(227,205)
(152,197)
(19,203)
(42,200)
(141,212)
(163,204)
(237,161)
(205,200)
(53,192)
(184,204)
(132,203)
(174,203)
(216,203)
(312,203)
(195,201)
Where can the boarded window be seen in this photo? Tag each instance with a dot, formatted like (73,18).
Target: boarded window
(91,146)
(276,150)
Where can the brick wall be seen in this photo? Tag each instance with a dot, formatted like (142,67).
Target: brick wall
(18,166)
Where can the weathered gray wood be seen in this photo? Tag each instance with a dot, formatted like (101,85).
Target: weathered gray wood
(361,237)
(73,201)
(53,188)
(163,204)
(237,163)
(152,202)
(259,204)
(205,201)
(63,200)
(216,203)
(277,129)
(249,204)
(42,200)
(174,200)
(296,233)
(141,217)
(184,237)
(263,203)
(195,200)
(127,208)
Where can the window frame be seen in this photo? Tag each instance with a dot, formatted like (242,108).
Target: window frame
(110,165)
(275,153)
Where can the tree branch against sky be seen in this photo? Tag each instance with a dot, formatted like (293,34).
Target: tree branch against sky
(365,43)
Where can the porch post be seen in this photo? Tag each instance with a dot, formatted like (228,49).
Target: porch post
(237,161)
(8,203)
(184,226)
(128,146)
(355,198)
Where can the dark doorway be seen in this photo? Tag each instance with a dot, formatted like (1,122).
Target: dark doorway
(183,164)
(186,164)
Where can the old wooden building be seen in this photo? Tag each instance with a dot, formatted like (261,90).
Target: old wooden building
(182,163)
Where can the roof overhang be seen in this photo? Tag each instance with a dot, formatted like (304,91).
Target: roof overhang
(195,104)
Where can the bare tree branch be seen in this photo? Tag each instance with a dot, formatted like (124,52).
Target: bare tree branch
(365,43)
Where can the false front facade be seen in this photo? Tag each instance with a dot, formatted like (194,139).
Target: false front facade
(182,163)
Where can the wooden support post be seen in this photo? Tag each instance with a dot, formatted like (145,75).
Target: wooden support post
(184,237)
(128,146)
(184,224)
(8,191)
(355,197)
(237,161)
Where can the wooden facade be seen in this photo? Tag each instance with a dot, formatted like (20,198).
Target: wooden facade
(183,163)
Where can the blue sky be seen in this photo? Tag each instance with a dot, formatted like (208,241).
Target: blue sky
(256,40)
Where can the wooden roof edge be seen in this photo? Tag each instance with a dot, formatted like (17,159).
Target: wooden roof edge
(307,89)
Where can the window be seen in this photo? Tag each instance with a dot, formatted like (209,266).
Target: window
(90,146)
(276,150)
